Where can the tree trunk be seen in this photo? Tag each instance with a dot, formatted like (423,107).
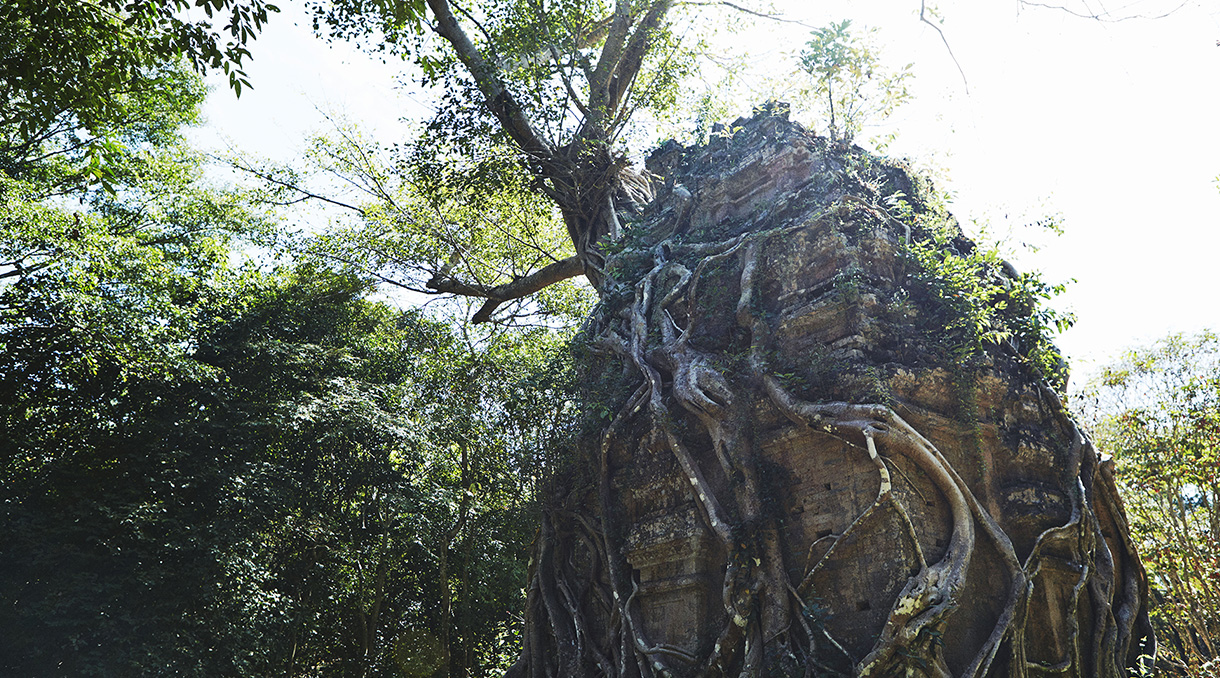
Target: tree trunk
(798,477)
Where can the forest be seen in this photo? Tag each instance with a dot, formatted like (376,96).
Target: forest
(385,446)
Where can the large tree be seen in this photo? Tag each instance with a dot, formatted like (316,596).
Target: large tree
(306,487)
(555,84)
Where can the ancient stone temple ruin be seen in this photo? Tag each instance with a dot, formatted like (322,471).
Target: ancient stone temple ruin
(801,459)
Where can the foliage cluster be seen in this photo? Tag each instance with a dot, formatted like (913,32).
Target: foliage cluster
(69,65)
(978,301)
(1157,411)
(849,81)
(544,55)
(419,213)
(212,467)
(320,478)
(119,280)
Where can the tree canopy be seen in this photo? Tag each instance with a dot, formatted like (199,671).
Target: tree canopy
(1157,410)
(850,80)
(317,482)
(216,461)
(66,58)
(536,97)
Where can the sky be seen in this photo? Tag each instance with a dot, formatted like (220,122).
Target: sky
(1111,125)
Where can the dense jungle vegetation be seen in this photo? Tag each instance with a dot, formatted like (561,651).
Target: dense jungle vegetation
(224,451)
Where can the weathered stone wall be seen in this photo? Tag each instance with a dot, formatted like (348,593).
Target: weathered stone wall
(736,521)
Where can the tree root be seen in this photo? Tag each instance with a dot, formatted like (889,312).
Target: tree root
(765,613)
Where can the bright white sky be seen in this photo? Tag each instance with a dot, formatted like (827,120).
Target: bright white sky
(1111,125)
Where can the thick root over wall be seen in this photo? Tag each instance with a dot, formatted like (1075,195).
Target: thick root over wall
(791,478)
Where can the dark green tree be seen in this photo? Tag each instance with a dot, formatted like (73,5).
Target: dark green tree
(311,489)
(69,62)
(211,470)
(103,294)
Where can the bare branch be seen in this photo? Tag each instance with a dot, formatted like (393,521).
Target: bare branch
(779,18)
(269,178)
(1105,15)
(923,16)
(567,83)
(468,15)
(516,289)
(368,171)
(531,243)
(379,277)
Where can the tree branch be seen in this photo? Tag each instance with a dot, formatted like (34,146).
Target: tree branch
(633,55)
(923,16)
(1105,15)
(499,100)
(612,51)
(307,194)
(745,10)
(567,83)
(515,289)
